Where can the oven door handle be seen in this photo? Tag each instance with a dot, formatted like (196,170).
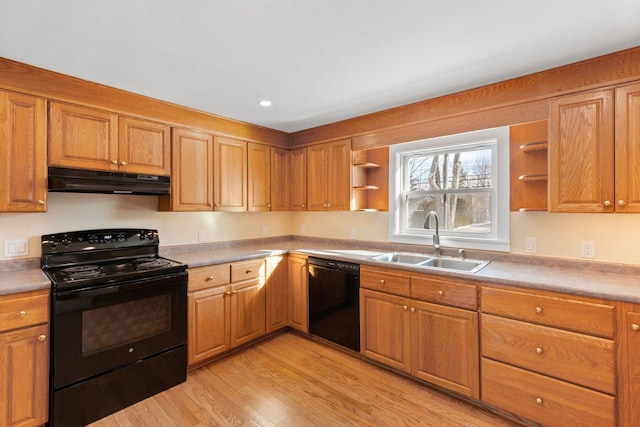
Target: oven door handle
(114,288)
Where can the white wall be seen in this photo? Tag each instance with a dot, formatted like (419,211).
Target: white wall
(558,235)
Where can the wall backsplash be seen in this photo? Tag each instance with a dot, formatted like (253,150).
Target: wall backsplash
(558,235)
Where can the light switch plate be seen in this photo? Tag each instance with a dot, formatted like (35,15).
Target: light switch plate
(16,248)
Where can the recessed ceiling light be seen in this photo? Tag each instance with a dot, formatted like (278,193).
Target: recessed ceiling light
(264,103)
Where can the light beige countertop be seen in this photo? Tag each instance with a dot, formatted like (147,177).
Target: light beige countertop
(609,281)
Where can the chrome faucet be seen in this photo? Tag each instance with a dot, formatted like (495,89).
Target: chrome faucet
(436,236)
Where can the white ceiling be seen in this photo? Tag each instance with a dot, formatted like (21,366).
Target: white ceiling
(319,61)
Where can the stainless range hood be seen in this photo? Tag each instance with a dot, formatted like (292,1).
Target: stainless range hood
(86,181)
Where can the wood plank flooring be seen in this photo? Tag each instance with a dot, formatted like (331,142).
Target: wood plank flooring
(292,381)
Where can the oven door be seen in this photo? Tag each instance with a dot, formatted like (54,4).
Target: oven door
(97,330)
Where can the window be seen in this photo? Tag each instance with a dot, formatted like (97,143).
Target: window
(463,178)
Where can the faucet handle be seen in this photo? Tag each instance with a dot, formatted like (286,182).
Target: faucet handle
(461,253)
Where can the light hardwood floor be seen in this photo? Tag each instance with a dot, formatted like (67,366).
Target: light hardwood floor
(292,381)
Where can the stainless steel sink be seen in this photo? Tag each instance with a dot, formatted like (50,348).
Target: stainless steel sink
(403,258)
(430,262)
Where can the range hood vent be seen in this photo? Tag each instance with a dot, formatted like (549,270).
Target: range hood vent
(86,181)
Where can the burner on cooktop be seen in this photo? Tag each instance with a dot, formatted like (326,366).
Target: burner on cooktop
(82,272)
(151,263)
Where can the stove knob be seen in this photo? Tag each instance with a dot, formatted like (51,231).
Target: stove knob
(66,241)
(142,235)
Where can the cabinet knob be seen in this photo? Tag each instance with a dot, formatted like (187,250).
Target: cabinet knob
(304,206)
(621,202)
(539,401)
(538,310)
(440,292)
(208,279)
(268,205)
(40,202)
(382,281)
(607,203)
(539,350)
(211,204)
(115,162)
(234,292)
(249,271)
(123,163)
(216,205)
(413,309)
(405,308)
(635,327)
(22,313)
(42,338)
(328,205)
(227,293)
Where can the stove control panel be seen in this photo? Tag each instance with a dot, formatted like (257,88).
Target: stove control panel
(75,241)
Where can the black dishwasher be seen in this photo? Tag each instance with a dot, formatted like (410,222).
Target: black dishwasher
(334,312)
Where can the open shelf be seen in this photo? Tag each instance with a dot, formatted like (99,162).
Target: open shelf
(533,177)
(370,180)
(528,158)
(534,146)
(368,165)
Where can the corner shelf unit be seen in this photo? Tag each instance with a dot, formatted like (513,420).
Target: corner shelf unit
(370,186)
(529,176)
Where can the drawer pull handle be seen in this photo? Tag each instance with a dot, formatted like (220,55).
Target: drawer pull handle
(440,293)
(539,350)
(382,281)
(635,327)
(539,401)
(42,338)
(249,271)
(22,313)
(538,310)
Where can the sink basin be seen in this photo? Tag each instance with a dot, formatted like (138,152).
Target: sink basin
(403,258)
(430,262)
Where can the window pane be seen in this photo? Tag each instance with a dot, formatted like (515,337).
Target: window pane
(444,171)
(461,212)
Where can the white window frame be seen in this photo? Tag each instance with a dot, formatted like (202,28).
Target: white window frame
(498,239)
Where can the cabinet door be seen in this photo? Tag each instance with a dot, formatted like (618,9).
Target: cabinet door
(259,182)
(24,369)
(276,293)
(629,365)
(279,179)
(317,177)
(247,311)
(339,175)
(299,179)
(82,138)
(23,153)
(230,175)
(445,347)
(385,325)
(208,323)
(298,293)
(144,147)
(628,149)
(191,172)
(581,144)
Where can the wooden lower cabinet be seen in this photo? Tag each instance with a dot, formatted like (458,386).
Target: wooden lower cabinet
(298,292)
(276,294)
(433,342)
(24,359)
(629,363)
(224,314)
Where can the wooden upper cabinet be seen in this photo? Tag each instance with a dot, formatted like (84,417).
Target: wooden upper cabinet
(144,147)
(86,138)
(23,153)
(627,148)
(298,179)
(82,138)
(230,174)
(581,152)
(259,177)
(279,179)
(191,172)
(329,176)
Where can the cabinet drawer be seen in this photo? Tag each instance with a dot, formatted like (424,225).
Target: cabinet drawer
(459,293)
(570,356)
(245,270)
(206,277)
(544,400)
(390,281)
(551,310)
(24,309)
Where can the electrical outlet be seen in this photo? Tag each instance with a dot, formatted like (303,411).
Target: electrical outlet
(354,233)
(530,245)
(202,236)
(587,249)
(265,230)
(16,248)
(303,229)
